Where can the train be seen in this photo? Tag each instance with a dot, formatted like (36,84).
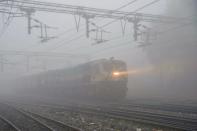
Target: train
(99,79)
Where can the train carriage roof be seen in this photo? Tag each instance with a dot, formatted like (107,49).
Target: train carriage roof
(75,68)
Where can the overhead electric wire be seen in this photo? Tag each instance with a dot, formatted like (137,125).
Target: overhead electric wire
(123,6)
(119,9)
(7,23)
(93,8)
(63,6)
(151,3)
(113,47)
(80,36)
(72,29)
(67,42)
(107,42)
(9,15)
(134,11)
(9,19)
(146,5)
(59,5)
(183,25)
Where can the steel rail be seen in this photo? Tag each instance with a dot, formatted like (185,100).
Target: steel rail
(21,128)
(166,107)
(133,116)
(9,123)
(58,123)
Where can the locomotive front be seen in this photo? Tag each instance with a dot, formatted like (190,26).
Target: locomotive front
(110,79)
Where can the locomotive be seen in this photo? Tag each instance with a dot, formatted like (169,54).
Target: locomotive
(98,79)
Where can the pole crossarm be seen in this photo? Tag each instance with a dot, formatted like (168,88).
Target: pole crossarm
(47,54)
(84,11)
(11,13)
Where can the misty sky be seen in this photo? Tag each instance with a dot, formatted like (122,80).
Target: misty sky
(15,36)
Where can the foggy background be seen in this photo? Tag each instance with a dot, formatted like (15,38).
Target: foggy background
(166,68)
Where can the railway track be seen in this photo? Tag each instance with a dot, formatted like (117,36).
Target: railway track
(19,120)
(54,124)
(148,117)
(6,125)
(162,107)
(174,122)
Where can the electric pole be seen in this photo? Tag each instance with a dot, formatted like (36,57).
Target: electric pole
(136,26)
(29,12)
(87,20)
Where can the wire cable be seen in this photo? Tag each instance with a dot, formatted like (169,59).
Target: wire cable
(76,38)
(107,42)
(149,4)
(145,6)
(9,20)
(67,42)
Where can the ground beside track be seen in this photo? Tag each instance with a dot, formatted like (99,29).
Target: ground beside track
(91,122)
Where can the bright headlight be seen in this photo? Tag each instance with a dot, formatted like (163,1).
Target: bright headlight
(116,73)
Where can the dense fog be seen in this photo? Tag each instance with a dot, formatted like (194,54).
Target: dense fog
(163,68)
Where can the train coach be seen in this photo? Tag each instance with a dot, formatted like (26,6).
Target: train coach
(98,79)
